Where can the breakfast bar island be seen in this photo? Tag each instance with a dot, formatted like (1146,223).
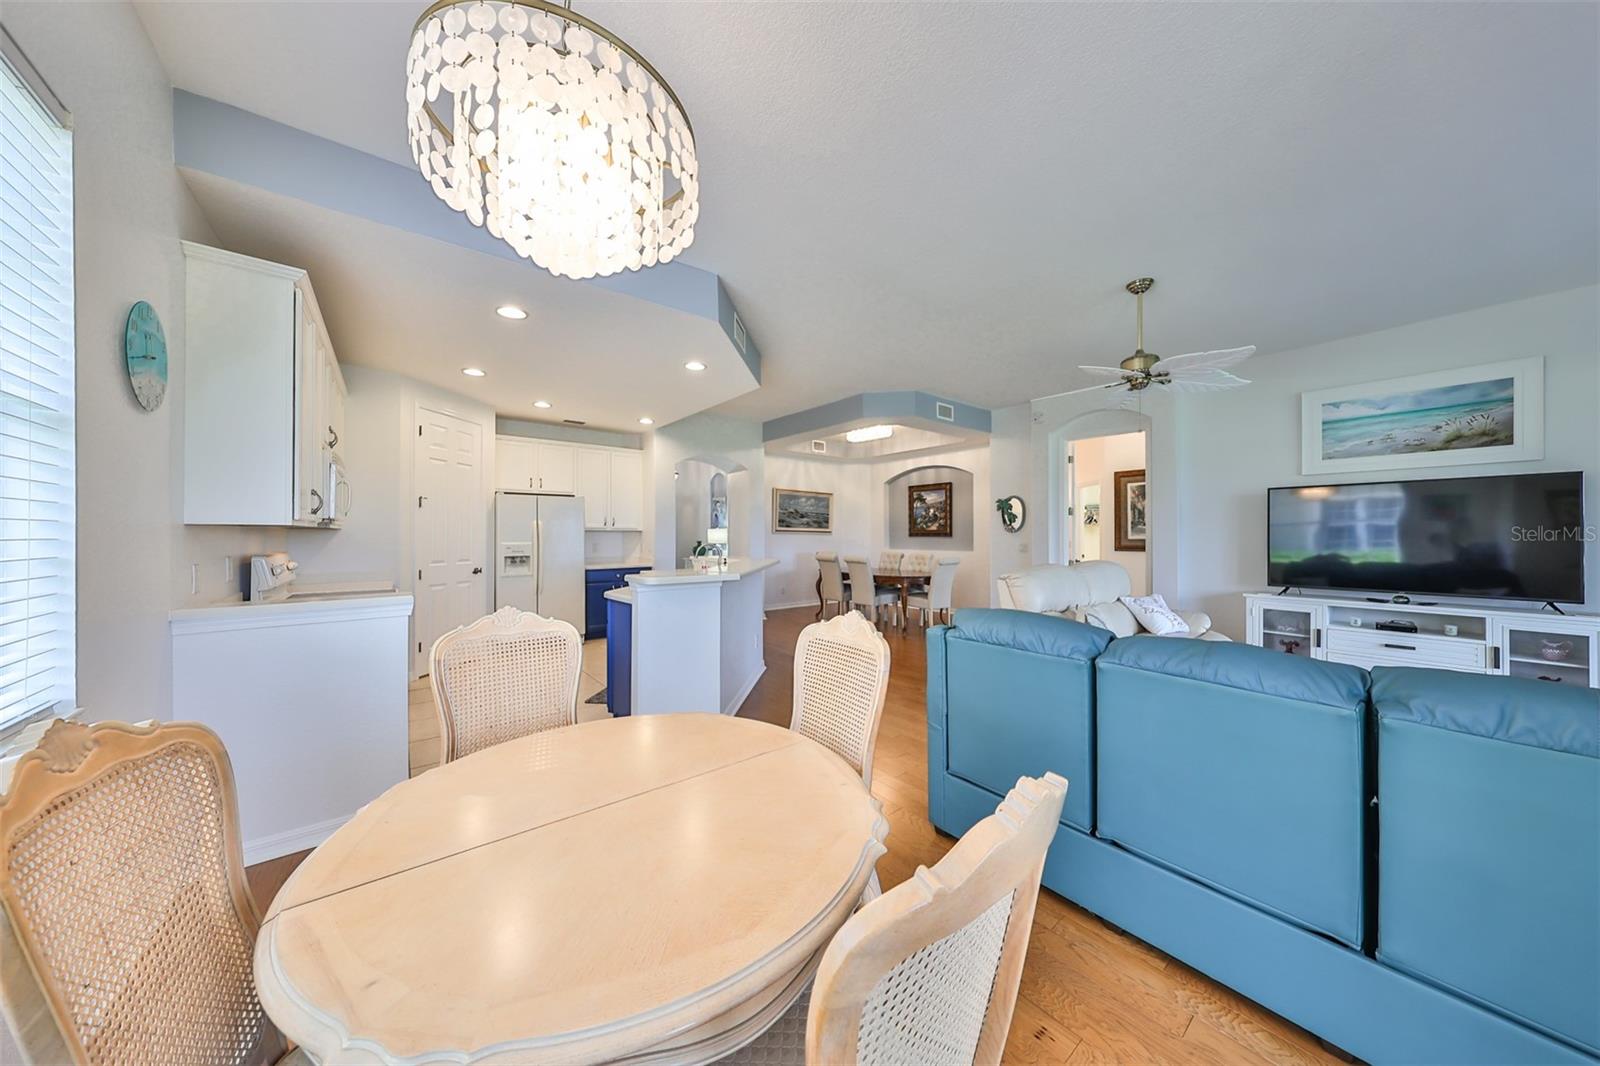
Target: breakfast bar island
(693,639)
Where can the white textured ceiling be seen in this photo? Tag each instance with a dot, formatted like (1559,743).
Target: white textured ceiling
(424,308)
(949,197)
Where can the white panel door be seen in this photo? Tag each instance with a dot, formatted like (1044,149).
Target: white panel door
(627,490)
(513,464)
(451,531)
(594,485)
(557,467)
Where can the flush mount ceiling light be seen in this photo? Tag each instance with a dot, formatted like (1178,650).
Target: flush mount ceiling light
(511,311)
(472,372)
(866,433)
(647,421)
(543,405)
(694,365)
(553,133)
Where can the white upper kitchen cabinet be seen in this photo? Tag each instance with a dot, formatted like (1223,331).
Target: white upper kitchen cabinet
(256,393)
(594,485)
(514,459)
(627,489)
(611,482)
(557,467)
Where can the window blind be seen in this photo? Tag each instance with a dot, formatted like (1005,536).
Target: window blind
(37,484)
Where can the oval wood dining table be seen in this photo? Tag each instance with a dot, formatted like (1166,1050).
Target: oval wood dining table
(642,889)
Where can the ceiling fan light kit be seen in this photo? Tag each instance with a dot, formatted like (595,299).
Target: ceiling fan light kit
(553,133)
(1194,372)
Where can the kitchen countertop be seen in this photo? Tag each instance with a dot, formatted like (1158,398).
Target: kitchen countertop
(309,603)
(737,568)
(617,566)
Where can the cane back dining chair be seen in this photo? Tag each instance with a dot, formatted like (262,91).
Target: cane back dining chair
(928,972)
(129,931)
(504,676)
(841,675)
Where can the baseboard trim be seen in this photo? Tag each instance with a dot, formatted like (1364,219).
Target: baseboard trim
(791,606)
(733,705)
(291,840)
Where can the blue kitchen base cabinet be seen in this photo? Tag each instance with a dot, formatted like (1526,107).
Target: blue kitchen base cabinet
(619,658)
(596,583)
(1405,862)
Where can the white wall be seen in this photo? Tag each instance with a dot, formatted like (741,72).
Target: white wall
(862,521)
(1237,444)
(1010,444)
(131,209)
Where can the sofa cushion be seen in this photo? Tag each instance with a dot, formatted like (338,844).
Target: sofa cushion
(1246,667)
(1112,617)
(1239,768)
(1489,842)
(1045,634)
(1155,616)
(1054,587)
(1514,709)
(1012,693)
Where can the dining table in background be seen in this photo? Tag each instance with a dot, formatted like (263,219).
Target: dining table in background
(648,888)
(904,579)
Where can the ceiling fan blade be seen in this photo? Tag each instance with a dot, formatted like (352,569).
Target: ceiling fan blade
(1219,359)
(1204,379)
(1115,370)
(1074,392)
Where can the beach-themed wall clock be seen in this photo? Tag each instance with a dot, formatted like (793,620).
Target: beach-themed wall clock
(144,345)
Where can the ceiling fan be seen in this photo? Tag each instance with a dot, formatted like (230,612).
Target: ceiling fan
(1195,372)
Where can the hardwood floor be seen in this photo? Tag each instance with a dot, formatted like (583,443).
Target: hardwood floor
(1090,993)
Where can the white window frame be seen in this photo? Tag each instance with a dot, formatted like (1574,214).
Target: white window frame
(38,505)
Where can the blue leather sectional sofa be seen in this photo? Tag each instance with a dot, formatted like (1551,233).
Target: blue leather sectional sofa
(1406,862)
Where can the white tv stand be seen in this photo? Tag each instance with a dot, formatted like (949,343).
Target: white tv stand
(1520,642)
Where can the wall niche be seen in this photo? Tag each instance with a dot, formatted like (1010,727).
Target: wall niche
(896,497)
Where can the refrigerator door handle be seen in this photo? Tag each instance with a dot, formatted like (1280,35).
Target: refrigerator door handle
(538,561)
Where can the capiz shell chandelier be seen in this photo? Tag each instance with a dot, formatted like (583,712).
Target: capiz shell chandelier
(553,133)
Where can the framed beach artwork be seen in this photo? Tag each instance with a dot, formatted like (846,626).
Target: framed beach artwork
(802,511)
(1480,414)
(929,509)
(1133,511)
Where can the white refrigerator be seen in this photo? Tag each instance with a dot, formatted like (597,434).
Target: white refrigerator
(539,555)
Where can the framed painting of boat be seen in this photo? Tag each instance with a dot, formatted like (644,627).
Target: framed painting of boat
(802,511)
(1492,413)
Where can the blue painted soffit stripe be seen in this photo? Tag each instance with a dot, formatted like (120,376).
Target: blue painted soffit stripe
(878,406)
(228,142)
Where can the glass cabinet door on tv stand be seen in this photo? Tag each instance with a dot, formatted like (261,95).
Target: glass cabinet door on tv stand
(1549,649)
(1288,627)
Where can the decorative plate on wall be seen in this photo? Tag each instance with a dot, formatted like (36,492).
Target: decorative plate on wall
(1013,513)
(145,347)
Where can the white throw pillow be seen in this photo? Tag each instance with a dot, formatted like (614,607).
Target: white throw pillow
(1155,616)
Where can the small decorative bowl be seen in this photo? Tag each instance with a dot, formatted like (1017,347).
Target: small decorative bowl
(1555,650)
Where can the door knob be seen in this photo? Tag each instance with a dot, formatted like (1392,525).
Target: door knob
(477,569)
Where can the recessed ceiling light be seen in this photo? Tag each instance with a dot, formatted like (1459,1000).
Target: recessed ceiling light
(695,365)
(472,372)
(511,311)
(543,405)
(866,433)
(647,421)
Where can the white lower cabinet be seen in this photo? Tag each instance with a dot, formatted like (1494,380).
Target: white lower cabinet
(1557,649)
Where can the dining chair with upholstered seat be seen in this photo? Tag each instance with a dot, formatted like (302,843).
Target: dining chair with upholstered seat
(929,971)
(833,584)
(127,933)
(890,562)
(504,676)
(937,600)
(866,595)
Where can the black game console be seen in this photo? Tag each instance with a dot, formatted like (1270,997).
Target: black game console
(1395,625)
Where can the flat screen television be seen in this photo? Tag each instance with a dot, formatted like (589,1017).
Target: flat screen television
(1519,537)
